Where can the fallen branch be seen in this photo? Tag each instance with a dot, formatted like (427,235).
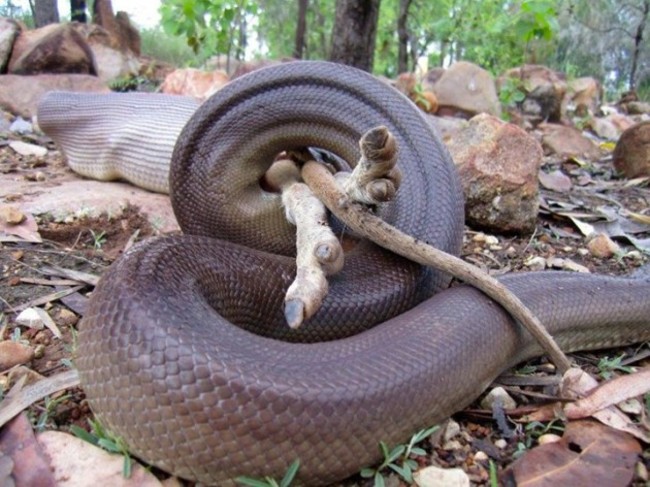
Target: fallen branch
(324,185)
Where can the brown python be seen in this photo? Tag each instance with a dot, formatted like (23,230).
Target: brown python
(164,367)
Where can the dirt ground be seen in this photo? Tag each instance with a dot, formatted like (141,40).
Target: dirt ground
(89,244)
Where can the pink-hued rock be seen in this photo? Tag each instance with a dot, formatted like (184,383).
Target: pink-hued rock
(193,82)
(55,48)
(466,88)
(567,141)
(20,95)
(498,164)
(632,152)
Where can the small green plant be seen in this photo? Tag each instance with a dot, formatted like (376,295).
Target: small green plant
(399,459)
(99,239)
(511,92)
(608,365)
(45,416)
(420,99)
(126,83)
(98,436)
(494,475)
(271,482)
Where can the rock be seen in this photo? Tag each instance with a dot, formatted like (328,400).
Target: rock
(632,152)
(193,82)
(11,215)
(611,126)
(25,149)
(14,353)
(583,96)
(446,127)
(30,318)
(548,438)
(55,48)
(113,61)
(567,142)
(452,429)
(498,164)
(544,90)
(600,245)
(498,398)
(128,35)
(637,107)
(467,89)
(441,477)
(21,94)
(9,30)
(536,263)
(21,126)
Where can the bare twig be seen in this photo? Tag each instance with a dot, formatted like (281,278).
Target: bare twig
(323,184)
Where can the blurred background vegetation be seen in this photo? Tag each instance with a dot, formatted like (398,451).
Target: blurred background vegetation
(606,39)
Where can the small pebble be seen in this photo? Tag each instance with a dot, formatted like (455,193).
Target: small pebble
(602,246)
(634,255)
(498,394)
(501,443)
(642,471)
(441,477)
(452,445)
(67,317)
(631,406)
(14,353)
(11,215)
(536,263)
(569,265)
(452,429)
(25,149)
(491,240)
(582,252)
(21,126)
(30,318)
(548,438)
(480,456)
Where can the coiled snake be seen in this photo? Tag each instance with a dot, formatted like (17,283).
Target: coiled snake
(159,359)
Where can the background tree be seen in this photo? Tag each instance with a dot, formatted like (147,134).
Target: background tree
(354,34)
(403,36)
(44,12)
(301,29)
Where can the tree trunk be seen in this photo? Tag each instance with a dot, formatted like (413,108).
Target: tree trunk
(301,29)
(354,33)
(403,36)
(45,12)
(638,43)
(78,11)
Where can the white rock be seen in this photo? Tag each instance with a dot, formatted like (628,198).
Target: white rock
(536,263)
(441,477)
(501,443)
(452,429)
(480,456)
(30,318)
(498,394)
(25,149)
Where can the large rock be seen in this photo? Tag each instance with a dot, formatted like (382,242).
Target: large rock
(113,60)
(498,164)
(632,152)
(193,82)
(466,88)
(567,142)
(544,91)
(584,96)
(20,95)
(55,48)
(611,126)
(9,30)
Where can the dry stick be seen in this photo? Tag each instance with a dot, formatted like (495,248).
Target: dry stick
(323,184)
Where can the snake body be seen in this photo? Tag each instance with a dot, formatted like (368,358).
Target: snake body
(164,367)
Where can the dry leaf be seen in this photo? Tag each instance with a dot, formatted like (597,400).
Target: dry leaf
(588,454)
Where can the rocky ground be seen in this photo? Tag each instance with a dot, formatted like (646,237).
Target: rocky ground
(57,272)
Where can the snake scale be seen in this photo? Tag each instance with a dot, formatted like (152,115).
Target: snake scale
(159,358)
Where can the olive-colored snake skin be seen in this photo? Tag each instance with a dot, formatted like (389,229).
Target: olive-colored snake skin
(164,368)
